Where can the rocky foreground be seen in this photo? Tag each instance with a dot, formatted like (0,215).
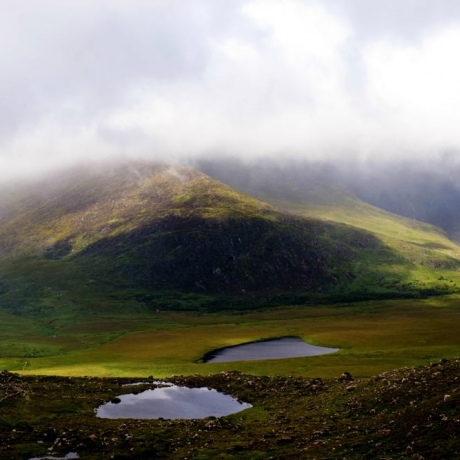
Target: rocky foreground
(410,413)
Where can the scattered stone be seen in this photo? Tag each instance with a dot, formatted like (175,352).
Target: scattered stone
(346,377)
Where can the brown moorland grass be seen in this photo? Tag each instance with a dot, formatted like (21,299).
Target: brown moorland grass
(373,337)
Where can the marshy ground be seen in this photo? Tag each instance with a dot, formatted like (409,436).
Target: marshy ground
(373,337)
(410,413)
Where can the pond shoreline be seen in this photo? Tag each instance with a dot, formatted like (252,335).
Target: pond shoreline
(216,354)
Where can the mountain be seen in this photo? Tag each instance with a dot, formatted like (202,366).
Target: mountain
(141,227)
(424,191)
(143,234)
(326,191)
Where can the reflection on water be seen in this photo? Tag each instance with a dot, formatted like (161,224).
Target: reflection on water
(285,347)
(172,402)
(153,382)
(68,456)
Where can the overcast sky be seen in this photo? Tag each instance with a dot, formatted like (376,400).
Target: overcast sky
(173,78)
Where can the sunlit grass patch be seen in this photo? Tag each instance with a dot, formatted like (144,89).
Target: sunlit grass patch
(372,336)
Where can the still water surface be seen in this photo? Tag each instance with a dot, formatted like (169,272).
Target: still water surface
(66,457)
(172,402)
(285,347)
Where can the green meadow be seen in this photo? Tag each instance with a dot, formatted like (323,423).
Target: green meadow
(373,337)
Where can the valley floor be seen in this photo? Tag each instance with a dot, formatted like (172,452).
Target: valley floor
(373,337)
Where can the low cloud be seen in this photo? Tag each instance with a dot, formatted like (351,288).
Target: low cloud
(168,79)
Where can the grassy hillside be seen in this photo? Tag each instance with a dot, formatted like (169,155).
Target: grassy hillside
(422,257)
(142,234)
(426,191)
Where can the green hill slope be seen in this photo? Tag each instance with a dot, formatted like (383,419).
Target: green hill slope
(147,234)
(313,191)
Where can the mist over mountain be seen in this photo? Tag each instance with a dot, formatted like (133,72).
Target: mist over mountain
(426,191)
(302,79)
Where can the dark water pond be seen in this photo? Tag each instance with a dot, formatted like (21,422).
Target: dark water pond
(284,347)
(172,402)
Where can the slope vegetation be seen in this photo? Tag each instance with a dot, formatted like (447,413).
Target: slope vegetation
(134,230)
(422,255)
(142,234)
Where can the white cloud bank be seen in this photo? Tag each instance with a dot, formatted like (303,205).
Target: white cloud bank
(301,78)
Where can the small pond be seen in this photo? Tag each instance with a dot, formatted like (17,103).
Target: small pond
(172,402)
(284,347)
